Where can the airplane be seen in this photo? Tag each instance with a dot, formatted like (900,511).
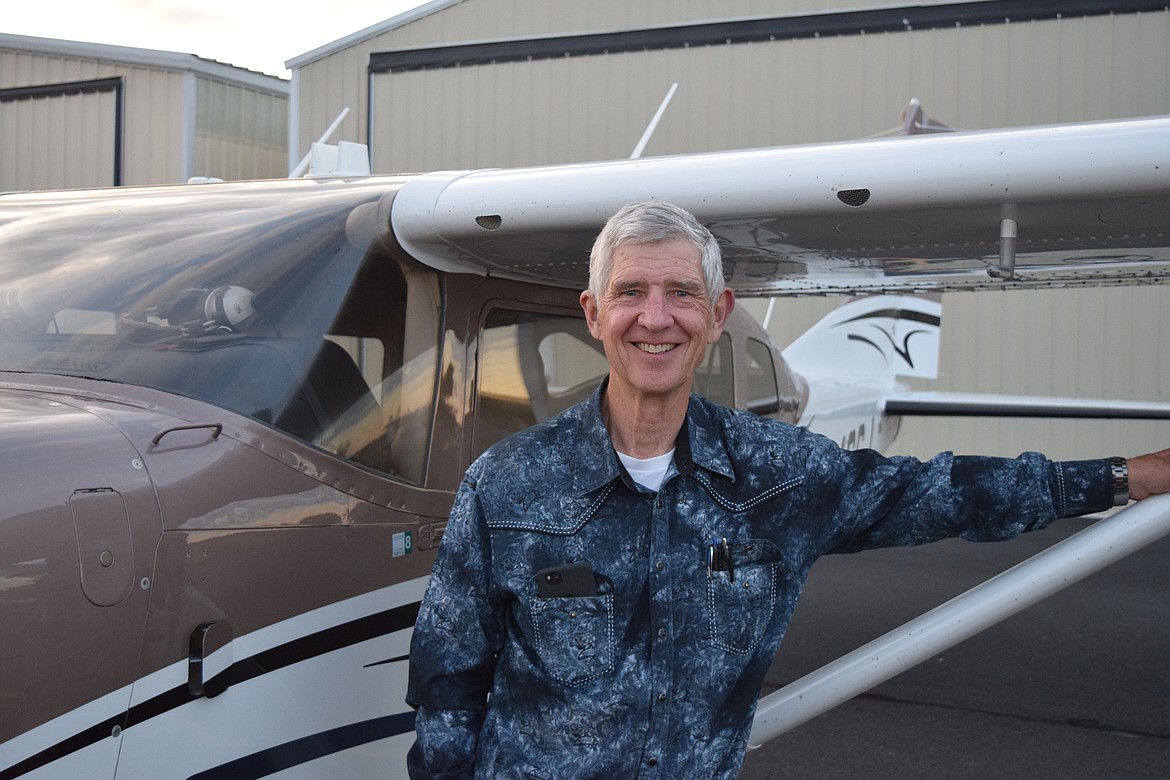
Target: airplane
(233,415)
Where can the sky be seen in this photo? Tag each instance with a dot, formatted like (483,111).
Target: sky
(260,35)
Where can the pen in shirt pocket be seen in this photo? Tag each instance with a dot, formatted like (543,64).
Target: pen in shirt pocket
(719,558)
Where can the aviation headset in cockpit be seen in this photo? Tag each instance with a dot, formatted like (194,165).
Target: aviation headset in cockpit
(222,309)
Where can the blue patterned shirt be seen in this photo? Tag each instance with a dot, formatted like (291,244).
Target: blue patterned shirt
(657,674)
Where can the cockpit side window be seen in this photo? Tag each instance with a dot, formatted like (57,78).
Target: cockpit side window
(763,394)
(715,377)
(531,366)
(380,370)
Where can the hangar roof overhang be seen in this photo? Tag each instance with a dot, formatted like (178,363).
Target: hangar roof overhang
(151,58)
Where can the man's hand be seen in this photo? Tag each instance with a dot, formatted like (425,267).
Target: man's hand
(1149,475)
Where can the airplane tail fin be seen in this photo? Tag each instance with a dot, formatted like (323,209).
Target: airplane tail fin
(885,335)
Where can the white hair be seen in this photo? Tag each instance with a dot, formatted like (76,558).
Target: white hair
(653,222)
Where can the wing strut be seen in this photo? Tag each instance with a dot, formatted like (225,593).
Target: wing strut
(1099,545)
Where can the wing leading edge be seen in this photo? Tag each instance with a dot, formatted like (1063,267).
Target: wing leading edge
(1061,205)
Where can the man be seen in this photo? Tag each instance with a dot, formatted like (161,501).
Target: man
(614,583)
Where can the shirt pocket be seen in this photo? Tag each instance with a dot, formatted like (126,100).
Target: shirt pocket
(741,603)
(574,636)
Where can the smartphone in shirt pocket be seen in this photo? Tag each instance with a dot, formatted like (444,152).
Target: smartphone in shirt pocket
(574,579)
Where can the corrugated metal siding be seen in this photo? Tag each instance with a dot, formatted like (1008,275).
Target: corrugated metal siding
(52,153)
(155,116)
(339,80)
(240,133)
(161,141)
(767,93)
(40,148)
(152,116)
(478,20)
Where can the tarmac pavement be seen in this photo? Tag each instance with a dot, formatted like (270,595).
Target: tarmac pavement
(1075,687)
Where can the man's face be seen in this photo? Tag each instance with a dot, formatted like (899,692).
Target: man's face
(655,318)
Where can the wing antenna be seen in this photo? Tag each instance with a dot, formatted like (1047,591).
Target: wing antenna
(645,139)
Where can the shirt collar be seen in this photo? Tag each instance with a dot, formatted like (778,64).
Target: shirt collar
(707,448)
(698,444)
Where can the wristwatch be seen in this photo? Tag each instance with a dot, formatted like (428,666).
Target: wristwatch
(1119,471)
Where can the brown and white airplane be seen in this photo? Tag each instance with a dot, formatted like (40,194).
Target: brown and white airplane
(233,416)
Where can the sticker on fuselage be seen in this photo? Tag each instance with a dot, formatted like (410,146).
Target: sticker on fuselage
(403,543)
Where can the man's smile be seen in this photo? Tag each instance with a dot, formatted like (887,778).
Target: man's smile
(654,349)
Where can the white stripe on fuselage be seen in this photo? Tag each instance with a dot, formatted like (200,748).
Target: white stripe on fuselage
(339,688)
(43,737)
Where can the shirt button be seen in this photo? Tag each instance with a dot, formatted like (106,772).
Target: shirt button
(662,697)
(652,761)
(662,633)
(660,566)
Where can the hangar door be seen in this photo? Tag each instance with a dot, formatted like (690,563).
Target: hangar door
(66,135)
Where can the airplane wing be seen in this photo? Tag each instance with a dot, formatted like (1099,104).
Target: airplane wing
(1060,205)
(951,404)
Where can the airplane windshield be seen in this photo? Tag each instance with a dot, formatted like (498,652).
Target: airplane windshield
(257,299)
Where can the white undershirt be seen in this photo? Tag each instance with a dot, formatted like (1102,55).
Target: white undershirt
(648,472)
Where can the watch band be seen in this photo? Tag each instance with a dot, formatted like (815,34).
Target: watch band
(1119,471)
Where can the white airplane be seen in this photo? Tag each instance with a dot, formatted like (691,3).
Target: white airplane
(233,416)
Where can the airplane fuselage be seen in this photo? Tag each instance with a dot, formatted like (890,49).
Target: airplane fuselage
(218,525)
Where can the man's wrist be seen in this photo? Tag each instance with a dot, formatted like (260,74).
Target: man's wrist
(1119,474)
